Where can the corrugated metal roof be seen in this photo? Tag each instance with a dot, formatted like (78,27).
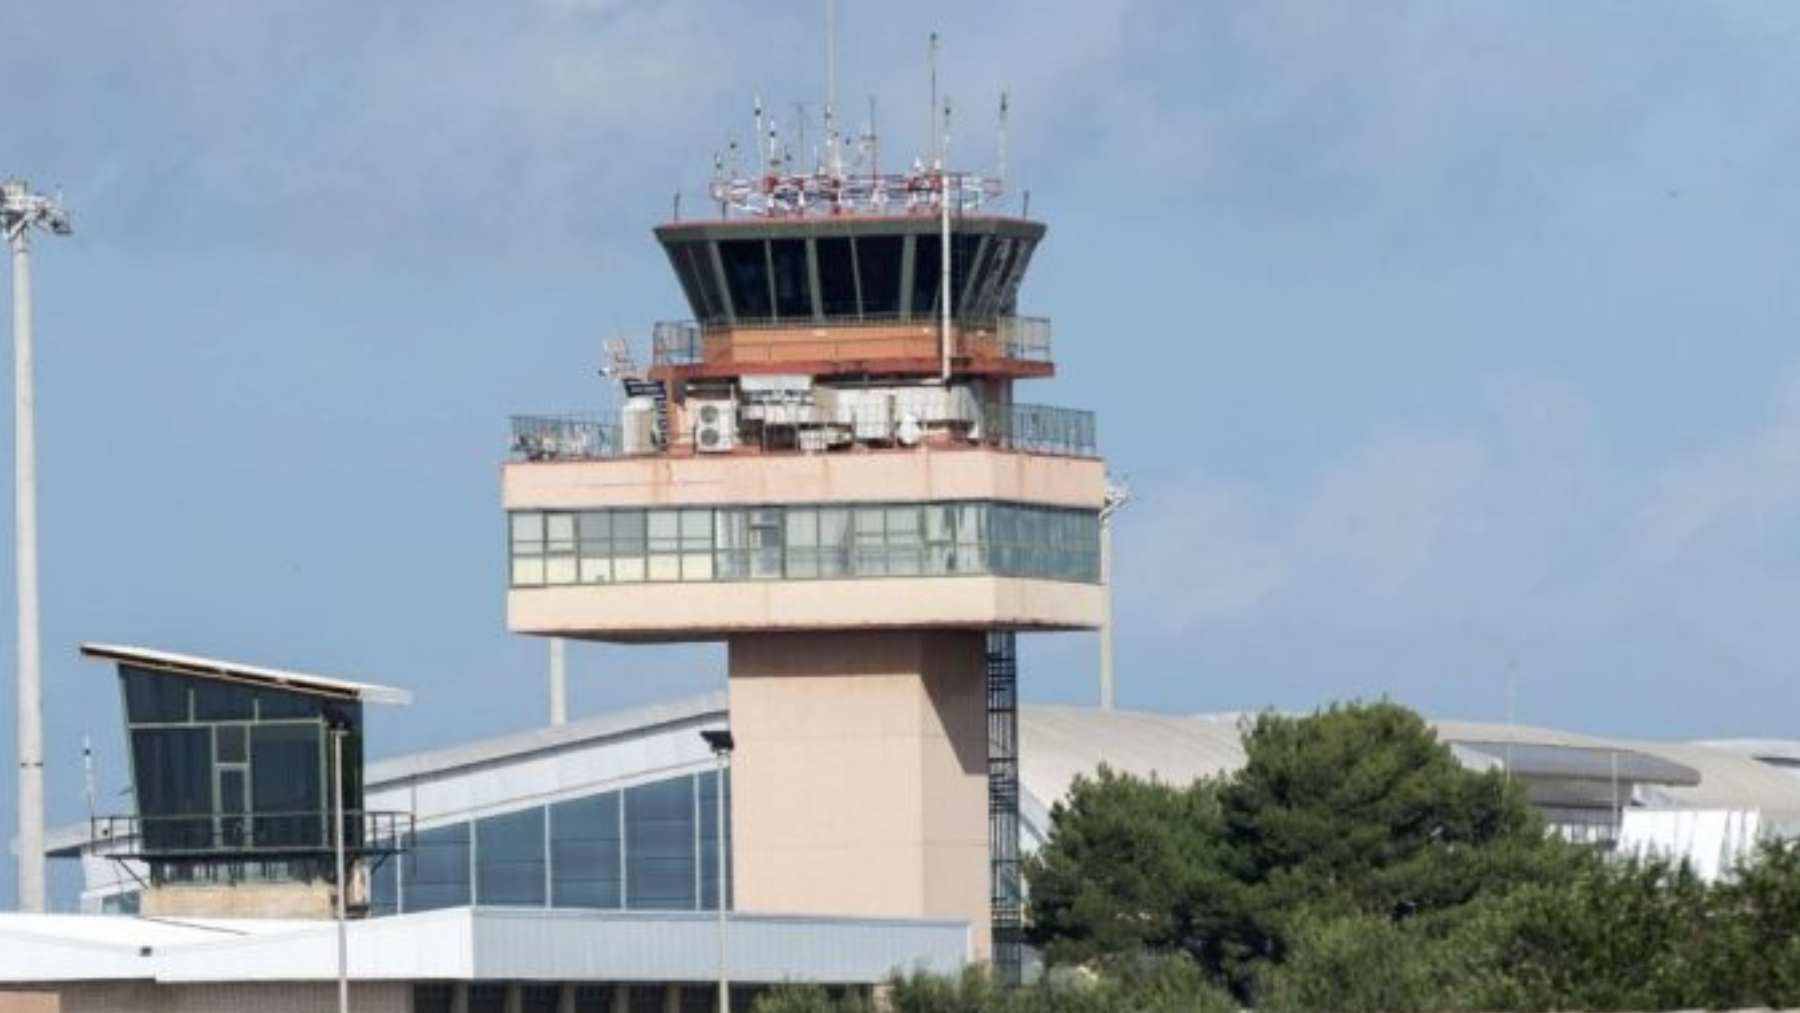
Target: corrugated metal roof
(213,668)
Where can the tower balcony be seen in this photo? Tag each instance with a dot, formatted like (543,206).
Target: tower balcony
(1011,347)
(863,426)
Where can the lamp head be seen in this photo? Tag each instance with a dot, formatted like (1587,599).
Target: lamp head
(719,740)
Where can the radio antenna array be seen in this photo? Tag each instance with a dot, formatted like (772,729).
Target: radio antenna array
(774,188)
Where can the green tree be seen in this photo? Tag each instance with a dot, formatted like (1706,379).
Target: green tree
(1357,809)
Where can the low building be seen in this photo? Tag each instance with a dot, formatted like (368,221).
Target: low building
(575,867)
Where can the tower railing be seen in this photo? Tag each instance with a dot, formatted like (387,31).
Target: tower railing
(1023,428)
(691,343)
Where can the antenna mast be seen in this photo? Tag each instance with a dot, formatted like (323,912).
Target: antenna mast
(937,151)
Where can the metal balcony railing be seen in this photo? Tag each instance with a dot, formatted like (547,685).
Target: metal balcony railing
(1039,429)
(1028,428)
(564,438)
(1026,339)
(250,835)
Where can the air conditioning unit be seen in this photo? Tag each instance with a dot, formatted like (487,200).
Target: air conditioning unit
(715,425)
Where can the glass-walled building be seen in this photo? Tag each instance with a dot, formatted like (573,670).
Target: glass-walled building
(233,769)
(648,847)
(618,812)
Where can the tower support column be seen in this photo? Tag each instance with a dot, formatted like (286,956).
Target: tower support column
(861,766)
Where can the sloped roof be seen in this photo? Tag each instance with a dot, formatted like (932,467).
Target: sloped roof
(232,671)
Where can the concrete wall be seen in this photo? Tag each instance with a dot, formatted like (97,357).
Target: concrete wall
(721,480)
(271,997)
(704,611)
(859,784)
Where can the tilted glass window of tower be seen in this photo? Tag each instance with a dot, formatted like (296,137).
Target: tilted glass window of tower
(804,542)
(232,779)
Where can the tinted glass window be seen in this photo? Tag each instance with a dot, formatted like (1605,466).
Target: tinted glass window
(151,697)
(701,255)
(927,265)
(793,281)
(1009,291)
(286,789)
(599,999)
(173,771)
(878,267)
(747,273)
(681,258)
(585,852)
(384,887)
(966,252)
(223,701)
(659,845)
(509,859)
(709,841)
(485,997)
(837,277)
(276,703)
(433,998)
(437,869)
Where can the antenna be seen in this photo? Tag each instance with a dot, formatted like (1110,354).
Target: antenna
(944,144)
(1001,169)
(833,160)
(762,158)
(87,774)
(937,155)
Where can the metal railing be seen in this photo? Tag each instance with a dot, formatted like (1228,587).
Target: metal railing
(227,835)
(1039,429)
(564,438)
(1028,428)
(684,342)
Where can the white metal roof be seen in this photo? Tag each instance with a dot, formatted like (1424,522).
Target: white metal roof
(213,668)
(610,724)
(462,944)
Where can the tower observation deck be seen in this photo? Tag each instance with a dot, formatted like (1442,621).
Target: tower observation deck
(826,468)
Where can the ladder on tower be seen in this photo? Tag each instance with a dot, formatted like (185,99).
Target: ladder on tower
(622,366)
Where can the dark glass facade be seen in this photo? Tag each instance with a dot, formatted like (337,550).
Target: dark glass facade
(804,542)
(883,271)
(652,847)
(227,772)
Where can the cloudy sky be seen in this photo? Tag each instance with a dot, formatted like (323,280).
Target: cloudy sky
(1446,346)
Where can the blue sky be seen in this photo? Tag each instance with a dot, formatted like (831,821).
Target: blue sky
(1440,341)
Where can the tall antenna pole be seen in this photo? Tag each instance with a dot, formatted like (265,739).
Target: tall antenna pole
(833,163)
(20,211)
(1000,170)
(937,154)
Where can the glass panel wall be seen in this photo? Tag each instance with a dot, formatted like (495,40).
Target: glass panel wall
(649,847)
(660,842)
(436,869)
(805,542)
(225,769)
(587,855)
(509,859)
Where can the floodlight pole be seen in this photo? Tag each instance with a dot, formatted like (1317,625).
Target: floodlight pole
(20,210)
(721,743)
(343,887)
(1116,498)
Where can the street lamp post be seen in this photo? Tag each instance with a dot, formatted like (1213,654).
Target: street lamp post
(1116,497)
(721,743)
(20,212)
(337,847)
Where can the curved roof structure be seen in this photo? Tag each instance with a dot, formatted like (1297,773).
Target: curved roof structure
(1058,743)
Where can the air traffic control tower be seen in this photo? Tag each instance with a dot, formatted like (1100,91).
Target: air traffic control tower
(827,470)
